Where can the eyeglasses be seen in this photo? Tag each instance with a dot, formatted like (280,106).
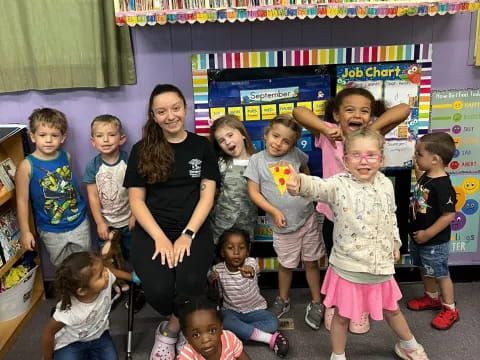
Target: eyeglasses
(371,158)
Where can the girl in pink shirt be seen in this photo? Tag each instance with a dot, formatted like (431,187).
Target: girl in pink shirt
(350,110)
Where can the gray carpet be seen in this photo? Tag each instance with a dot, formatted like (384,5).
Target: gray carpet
(462,341)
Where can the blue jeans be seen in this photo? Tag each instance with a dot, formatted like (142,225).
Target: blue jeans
(432,259)
(243,324)
(99,349)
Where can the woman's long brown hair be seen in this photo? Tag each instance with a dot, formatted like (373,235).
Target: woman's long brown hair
(156,154)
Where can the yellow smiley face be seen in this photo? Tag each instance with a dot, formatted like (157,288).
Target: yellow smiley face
(457,141)
(470,185)
(461,197)
(457,105)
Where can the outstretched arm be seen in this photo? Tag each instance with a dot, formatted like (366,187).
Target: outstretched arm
(391,118)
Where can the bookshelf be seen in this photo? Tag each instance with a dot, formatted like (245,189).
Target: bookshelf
(161,12)
(12,145)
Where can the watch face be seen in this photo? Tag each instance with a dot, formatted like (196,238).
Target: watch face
(189,233)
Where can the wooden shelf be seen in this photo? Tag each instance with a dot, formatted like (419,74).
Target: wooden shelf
(5,196)
(279,10)
(11,261)
(10,329)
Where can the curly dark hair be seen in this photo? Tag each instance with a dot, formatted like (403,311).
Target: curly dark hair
(226,235)
(333,105)
(156,154)
(74,273)
(186,306)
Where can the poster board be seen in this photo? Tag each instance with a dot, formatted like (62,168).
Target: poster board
(457,112)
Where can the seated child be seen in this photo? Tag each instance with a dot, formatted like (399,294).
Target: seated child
(201,323)
(244,308)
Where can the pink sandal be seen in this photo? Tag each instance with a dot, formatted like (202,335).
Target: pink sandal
(361,327)
(327,318)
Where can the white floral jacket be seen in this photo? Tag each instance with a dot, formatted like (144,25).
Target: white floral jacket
(365,232)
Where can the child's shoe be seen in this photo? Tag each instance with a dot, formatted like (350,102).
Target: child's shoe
(164,347)
(445,318)
(424,303)
(328,317)
(181,342)
(406,354)
(280,307)
(361,327)
(279,344)
(314,315)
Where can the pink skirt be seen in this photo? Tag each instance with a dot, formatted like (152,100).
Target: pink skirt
(353,299)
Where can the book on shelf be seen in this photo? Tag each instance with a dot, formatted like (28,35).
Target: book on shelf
(9,234)
(7,174)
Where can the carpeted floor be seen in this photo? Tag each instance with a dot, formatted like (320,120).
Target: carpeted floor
(462,341)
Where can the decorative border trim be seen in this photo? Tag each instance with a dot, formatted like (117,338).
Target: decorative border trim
(201,63)
(373,9)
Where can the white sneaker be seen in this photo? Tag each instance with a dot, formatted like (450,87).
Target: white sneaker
(164,347)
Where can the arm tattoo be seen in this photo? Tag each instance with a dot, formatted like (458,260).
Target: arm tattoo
(203,187)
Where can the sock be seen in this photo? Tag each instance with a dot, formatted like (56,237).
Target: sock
(433,295)
(409,344)
(338,357)
(165,332)
(450,306)
(261,336)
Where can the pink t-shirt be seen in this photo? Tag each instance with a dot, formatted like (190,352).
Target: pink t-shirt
(232,348)
(332,164)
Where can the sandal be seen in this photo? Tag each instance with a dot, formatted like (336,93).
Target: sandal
(164,347)
(361,327)
(327,319)
(279,344)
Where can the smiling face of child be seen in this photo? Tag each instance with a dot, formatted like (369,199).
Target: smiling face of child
(203,330)
(354,113)
(279,140)
(364,158)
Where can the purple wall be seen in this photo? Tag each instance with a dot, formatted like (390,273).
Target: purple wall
(162,55)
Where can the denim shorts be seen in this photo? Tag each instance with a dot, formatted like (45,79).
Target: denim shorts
(433,259)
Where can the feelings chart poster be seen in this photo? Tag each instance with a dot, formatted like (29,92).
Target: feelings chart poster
(458,113)
(465,226)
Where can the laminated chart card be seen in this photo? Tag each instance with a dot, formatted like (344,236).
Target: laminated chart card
(465,226)
(458,113)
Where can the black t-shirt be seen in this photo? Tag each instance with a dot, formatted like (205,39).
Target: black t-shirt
(172,202)
(431,198)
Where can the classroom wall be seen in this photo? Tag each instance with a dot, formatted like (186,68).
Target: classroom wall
(162,55)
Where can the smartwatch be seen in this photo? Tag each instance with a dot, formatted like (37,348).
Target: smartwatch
(189,233)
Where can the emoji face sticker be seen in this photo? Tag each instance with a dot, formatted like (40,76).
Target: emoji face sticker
(459,222)
(470,207)
(457,105)
(460,194)
(470,185)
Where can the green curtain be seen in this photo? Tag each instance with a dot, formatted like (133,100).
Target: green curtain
(58,44)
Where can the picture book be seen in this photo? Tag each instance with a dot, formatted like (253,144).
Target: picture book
(9,234)
(7,174)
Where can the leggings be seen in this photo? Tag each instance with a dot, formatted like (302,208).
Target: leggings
(162,284)
(327,232)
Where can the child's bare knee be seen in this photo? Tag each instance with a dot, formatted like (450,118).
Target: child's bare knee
(391,313)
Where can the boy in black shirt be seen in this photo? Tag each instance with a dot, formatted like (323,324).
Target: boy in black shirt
(432,211)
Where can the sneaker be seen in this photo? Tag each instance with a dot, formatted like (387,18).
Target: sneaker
(314,315)
(279,344)
(445,318)
(164,347)
(181,342)
(361,327)
(138,300)
(328,317)
(279,307)
(424,303)
(406,354)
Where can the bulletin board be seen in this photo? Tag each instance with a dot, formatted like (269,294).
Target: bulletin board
(256,86)
(457,112)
